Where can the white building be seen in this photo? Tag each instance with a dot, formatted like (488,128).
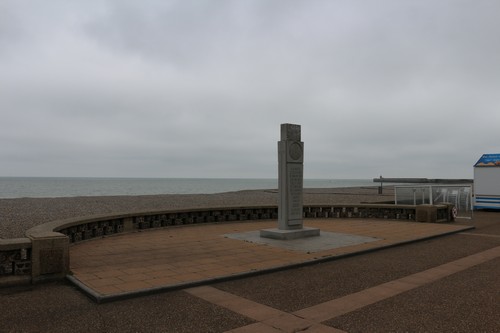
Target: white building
(487,182)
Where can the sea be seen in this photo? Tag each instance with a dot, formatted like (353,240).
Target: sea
(50,187)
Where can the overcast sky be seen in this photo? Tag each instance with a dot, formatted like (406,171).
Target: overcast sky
(157,88)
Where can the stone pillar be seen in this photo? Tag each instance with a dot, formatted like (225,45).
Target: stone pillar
(128,224)
(290,178)
(426,213)
(290,187)
(49,256)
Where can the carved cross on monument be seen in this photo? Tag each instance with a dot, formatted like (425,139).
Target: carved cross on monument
(290,187)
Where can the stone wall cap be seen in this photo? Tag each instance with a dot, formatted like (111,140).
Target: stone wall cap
(14,244)
(46,235)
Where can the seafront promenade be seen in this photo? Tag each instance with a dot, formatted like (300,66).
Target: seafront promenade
(445,284)
(410,277)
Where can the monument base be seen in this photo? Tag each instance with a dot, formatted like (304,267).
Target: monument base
(276,233)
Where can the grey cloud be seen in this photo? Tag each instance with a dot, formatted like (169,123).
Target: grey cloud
(198,89)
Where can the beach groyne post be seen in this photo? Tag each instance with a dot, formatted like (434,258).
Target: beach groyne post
(290,187)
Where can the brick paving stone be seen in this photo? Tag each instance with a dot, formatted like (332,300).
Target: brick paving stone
(134,277)
(109,290)
(109,273)
(161,281)
(132,286)
(255,328)
(288,323)
(240,305)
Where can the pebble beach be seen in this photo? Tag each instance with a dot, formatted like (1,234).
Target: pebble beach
(20,214)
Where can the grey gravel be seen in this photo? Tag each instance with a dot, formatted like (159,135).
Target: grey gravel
(468,301)
(60,308)
(307,286)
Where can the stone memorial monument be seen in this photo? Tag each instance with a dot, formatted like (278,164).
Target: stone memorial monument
(290,187)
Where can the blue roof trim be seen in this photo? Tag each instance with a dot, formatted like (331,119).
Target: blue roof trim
(488,160)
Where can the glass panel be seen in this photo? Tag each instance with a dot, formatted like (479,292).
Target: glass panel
(458,195)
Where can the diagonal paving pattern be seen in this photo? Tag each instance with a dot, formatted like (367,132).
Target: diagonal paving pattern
(310,319)
(155,260)
(269,319)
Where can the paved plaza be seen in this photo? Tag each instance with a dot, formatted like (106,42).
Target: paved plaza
(155,260)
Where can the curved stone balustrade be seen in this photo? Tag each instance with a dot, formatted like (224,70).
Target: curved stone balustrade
(44,254)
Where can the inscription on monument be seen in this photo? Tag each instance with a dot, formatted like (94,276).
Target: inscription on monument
(295,184)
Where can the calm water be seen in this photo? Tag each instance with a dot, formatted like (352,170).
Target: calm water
(16,187)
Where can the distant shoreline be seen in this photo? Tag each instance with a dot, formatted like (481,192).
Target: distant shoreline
(44,187)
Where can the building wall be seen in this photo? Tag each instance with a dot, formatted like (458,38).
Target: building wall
(487,180)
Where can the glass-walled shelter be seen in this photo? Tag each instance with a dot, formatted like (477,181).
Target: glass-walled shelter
(458,195)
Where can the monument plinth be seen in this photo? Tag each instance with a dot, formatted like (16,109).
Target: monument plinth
(290,187)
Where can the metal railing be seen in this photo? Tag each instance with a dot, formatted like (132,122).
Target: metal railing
(458,195)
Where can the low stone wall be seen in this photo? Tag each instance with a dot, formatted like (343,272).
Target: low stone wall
(93,228)
(44,254)
(15,261)
(380,211)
